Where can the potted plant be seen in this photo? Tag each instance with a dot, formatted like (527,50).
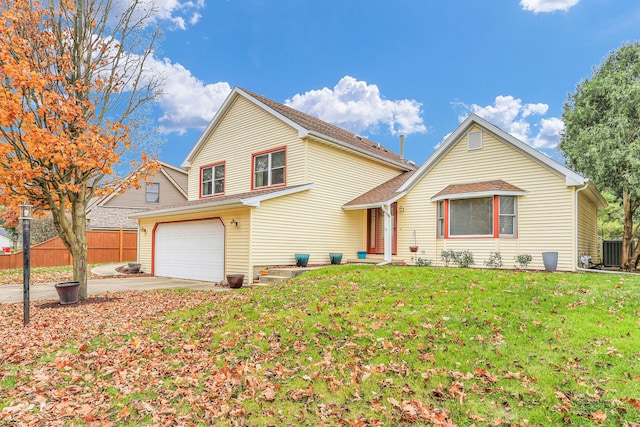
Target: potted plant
(414,247)
(362,254)
(335,258)
(302,260)
(68,292)
(235,280)
(134,268)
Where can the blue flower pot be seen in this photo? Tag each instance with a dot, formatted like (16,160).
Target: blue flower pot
(302,260)
(335,258)
(362,254)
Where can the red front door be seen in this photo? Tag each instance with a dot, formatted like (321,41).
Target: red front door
(375,230)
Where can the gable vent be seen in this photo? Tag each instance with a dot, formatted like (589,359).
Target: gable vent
(474,140)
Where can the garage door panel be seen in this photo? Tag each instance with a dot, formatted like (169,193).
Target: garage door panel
(190,250)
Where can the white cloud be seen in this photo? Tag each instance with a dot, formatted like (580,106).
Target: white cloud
(509,114)
(177,13)
(547,6)
(358,107)
(549,134)
(186,101)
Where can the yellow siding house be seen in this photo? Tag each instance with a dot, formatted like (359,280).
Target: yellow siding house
(266,182)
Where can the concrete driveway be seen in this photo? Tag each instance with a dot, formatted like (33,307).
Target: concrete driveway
(14,293)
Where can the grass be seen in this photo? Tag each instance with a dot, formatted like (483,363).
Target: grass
(364,346)
(41,274)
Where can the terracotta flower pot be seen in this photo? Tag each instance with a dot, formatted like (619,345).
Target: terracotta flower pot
(413,248)
(68,292)
(235,280)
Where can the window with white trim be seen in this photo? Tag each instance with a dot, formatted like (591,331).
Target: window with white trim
(269,169)
(212,178)
(507,218)
(152,194)
(441,219)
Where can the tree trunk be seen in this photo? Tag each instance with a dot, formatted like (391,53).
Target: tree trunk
(79,245)
(628,260)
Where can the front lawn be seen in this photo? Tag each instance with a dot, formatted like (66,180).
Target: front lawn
(340,346)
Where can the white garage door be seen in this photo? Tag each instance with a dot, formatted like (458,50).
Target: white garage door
(190,250)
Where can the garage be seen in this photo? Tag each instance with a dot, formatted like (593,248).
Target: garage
(190,250)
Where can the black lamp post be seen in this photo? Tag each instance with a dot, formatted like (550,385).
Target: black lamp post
(26,214)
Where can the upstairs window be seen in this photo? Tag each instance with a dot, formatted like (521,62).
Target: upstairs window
(153,192)
(212,178)
(269,169)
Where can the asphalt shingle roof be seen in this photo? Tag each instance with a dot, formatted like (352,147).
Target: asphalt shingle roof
(313,124)
(477,187)
(383,192)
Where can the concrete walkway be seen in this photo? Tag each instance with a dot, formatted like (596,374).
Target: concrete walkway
(113,282)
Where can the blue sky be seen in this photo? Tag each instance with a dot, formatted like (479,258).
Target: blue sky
(384,67)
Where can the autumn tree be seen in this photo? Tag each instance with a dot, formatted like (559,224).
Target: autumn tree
(602,136)
(74,76)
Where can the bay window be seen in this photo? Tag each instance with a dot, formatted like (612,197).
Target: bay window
(490,216)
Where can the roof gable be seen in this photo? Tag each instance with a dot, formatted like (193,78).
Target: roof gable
(307,127)
(571,178)
(171,173)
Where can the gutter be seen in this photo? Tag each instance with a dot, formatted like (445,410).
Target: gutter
(388,237)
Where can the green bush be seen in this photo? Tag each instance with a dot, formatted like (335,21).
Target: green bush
(463,258)
(494,261)
(523,261)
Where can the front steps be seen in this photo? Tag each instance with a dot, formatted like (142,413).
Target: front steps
(280,274)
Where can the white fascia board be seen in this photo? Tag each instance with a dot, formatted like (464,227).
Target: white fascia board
(255,201)
(271,111)
(226,105)
(374,205)
(478,194)
(349,147)
(230,204)
(571,178)
(210,127)
(216,205)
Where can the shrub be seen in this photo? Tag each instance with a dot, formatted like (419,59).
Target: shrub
(424,262)
(494,261)
(463,258)
(447,256)
(523,261)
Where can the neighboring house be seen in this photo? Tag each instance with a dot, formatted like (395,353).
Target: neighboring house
(5,241)
(267,181)
(167,186)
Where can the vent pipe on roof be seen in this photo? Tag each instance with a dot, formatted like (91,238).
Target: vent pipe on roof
(402,146)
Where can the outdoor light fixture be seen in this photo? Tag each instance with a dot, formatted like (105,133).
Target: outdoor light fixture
(234,222)
(26,211)
(26,214)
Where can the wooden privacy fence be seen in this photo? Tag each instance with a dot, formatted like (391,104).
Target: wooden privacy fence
(102,247)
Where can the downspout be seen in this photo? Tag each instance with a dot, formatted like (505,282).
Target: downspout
(388,237)
(577,224)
